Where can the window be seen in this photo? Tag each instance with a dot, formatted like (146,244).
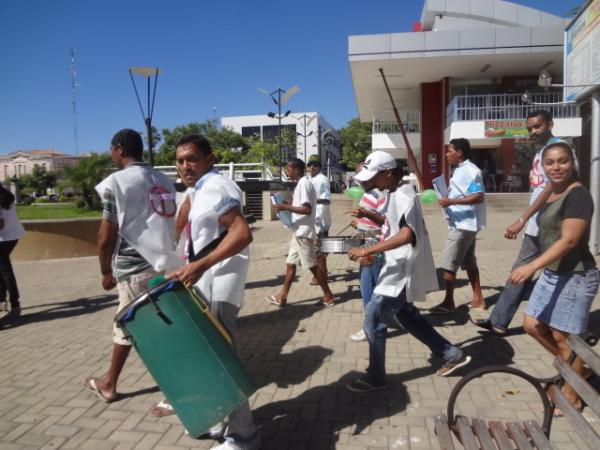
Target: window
(250,131)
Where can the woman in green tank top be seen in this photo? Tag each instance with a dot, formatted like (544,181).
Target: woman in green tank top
(560,302)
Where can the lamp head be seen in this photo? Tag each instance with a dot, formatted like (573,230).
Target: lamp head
(287,113)
(545,79)
(271,115)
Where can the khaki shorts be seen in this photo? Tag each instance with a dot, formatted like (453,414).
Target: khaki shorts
(459,251)
(129,290)
(303,252)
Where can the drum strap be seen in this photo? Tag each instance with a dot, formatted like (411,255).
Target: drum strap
(192,256)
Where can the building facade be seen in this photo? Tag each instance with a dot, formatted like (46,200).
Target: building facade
(22,162)
(462,72)
(314,136)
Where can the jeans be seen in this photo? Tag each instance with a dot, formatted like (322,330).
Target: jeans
(8,281)
(241,432)
(512,294)
(368,279)
(396,312)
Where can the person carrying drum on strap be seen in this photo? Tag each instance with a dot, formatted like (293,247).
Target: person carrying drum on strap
(370,216)
(136,239)
(218,237)
(303,243)
(406,276)
(322,212)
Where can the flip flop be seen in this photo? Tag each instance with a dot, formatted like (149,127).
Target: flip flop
(162,409)
(314,282)
(90,384)
(483,308)
(439,309)
(275,301)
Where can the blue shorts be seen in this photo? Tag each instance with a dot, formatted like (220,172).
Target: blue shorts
(562,300)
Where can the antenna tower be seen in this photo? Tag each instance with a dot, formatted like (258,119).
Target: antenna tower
(73,100)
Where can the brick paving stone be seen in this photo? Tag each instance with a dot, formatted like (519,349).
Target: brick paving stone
(300,357)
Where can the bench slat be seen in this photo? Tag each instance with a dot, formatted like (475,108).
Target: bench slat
(518,435)
(537,435)
(585,352)
(500,436)
(443,432)
(465,433)
(482,432)
(582,387)
(577,421)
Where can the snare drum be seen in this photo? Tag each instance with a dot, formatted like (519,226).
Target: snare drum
(340,244)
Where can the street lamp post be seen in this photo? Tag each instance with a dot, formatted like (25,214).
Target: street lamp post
(304,134)
(280,100)
(146,72)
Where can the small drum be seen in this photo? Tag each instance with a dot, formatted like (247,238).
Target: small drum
(340,244)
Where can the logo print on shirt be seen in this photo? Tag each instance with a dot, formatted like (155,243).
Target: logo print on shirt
(162,201)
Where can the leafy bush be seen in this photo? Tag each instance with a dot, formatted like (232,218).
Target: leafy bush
(43,200)
(80,202)
(27,200)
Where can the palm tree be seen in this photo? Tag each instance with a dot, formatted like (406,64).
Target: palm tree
(84,176)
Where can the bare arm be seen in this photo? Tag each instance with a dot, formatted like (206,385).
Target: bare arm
(239,236)
(571,232)
(304,209)
(403,237)
(512,231)
(182,216)
(472,199)
(106,241)
(374,216)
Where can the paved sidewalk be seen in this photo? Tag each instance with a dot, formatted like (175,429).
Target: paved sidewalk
(300,357)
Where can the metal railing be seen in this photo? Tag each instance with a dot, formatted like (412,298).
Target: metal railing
(235,171)
(506,106)
(386,122)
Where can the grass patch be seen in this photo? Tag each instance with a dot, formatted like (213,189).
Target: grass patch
(53,211)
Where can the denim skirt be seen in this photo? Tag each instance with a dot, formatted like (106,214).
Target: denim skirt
(563,299)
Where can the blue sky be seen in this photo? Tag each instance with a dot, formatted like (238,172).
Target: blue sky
(212,54)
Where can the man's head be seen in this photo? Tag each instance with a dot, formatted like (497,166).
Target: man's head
(539,125)
(295,168)
(194,157)
(380,171)
(126,146)
(458,150)
(314,165)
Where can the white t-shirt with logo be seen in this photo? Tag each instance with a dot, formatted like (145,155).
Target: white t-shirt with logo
(304,224)
(323,213)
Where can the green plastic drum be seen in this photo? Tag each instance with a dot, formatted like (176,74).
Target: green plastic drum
(190,359)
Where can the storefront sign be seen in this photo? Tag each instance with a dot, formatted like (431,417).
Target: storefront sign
(506,129)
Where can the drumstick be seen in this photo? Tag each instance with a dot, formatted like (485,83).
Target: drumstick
(344,229)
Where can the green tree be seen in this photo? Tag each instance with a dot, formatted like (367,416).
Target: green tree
(39,180)
(227,145)
(356,142)
(84,176)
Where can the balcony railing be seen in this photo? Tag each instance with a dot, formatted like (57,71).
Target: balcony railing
(235,171)
(386,122)
(505,106)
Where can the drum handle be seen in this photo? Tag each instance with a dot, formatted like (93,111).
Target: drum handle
(205,310)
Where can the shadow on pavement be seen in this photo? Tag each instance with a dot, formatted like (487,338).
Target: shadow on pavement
(59,310)
(317,416)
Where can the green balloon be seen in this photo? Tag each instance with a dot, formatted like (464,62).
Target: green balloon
(355,192)
(429,196)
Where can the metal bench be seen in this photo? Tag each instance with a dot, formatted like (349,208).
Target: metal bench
(474,433)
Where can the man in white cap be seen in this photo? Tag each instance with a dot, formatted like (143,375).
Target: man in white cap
(408,273)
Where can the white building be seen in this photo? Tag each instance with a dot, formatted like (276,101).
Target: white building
(314,135)
(462,73)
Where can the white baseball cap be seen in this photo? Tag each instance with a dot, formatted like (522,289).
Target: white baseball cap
(376,162)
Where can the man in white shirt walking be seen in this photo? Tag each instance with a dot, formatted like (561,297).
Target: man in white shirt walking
(407,275)
(466,216)
(304,238)
(322,213)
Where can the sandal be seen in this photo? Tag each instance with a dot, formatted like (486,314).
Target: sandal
(161,409)
(275,301)
(441,309)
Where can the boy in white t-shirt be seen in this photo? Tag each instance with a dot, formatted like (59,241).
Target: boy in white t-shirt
(304,237)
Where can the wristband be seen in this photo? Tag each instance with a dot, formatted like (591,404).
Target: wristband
(521,221)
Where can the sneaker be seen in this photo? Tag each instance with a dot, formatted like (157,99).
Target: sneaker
(4,306)
(486,324)
(450,367)
(14,312)
(359,336)
(216,432)
(361,385)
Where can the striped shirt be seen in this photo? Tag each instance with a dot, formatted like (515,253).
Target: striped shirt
(127,261)
(374,201)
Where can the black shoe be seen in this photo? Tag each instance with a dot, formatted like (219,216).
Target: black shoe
(361,385)
(486,324)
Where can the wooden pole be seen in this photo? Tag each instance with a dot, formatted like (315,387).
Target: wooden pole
(412,160)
